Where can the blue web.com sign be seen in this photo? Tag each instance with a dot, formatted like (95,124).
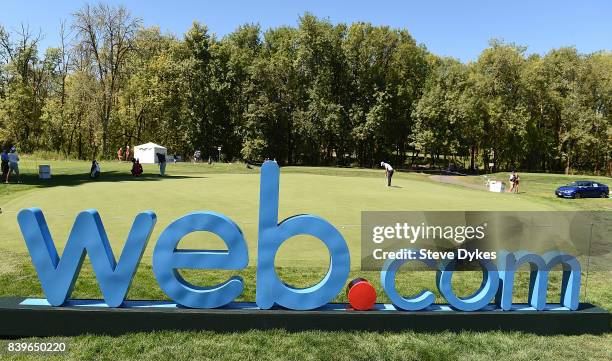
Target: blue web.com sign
(88,237)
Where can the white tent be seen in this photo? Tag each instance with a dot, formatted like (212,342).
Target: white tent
(147,153)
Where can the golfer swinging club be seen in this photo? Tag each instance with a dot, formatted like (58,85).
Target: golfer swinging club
(388,172)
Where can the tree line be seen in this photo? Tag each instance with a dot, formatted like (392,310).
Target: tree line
(316,94)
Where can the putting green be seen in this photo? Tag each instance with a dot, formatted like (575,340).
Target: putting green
(338,198)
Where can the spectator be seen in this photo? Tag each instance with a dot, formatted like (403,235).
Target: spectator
(514,182)
(120,154)
(128,154)
(13,159)
(5,163)
(136,168)
(161,158)
(95,170)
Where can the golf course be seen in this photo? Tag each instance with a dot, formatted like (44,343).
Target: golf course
(336,194)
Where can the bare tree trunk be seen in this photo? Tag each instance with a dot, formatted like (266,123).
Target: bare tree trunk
(472,158)
(568,161)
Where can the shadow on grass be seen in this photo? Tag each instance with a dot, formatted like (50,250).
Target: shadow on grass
(112,176)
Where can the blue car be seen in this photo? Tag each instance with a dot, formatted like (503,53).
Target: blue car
(583,189)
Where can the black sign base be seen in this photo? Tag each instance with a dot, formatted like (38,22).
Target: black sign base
(20,317)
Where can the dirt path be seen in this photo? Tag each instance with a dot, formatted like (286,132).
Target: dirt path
(449,179)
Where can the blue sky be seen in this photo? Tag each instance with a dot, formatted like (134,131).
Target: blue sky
(453,28)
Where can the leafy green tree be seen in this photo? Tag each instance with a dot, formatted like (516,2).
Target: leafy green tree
(500,88)
(318,93)
(106,35)
(445,113)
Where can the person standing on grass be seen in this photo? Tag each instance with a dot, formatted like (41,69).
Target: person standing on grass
(161,158)
(5,163)
(513,182)
(388,172)
(128,155)
(120,154)
(13,159)
(95,169)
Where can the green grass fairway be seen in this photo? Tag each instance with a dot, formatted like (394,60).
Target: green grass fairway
(339,195)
